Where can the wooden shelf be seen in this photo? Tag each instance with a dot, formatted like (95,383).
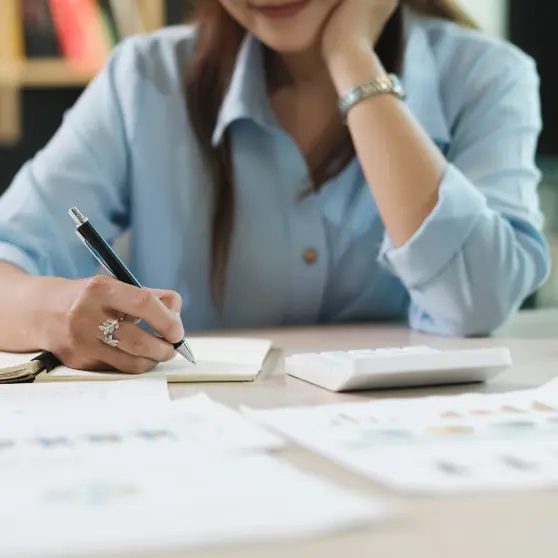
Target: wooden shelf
(26,73)
(17,72)
(43,72)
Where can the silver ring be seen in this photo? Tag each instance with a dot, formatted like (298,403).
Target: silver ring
(108,327)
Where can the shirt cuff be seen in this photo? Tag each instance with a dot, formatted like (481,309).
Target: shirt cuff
(444,232)
(12,255)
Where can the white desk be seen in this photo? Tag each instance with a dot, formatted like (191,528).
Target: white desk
(487,526)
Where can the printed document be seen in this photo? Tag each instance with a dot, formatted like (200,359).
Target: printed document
(140,430)
(444,444)
(93,510)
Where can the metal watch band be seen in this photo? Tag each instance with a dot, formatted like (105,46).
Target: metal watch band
(387,84)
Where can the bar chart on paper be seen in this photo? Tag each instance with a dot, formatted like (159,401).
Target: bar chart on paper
(186,474)
(79,511)
(174,432)
(435,444)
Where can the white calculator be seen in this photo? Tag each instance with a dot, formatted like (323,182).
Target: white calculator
(397,367)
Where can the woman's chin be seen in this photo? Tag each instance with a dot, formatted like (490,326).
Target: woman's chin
(286,45)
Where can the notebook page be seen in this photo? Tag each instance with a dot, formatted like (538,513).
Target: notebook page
(13,359)
(218,359)
(234,350)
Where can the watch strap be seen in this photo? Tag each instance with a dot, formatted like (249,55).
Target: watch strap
(383,85)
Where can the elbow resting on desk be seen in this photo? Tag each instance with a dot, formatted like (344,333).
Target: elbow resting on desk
(485,283)
(474,260)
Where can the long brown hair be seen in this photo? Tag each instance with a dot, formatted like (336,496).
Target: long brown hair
(207,79)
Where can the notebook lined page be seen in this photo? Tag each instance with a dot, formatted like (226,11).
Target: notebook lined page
(218,359)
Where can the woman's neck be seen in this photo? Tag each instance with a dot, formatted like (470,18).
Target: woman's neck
(305,102)
(299,70)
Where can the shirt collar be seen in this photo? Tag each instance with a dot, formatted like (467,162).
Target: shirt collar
(247,95)
(421,80)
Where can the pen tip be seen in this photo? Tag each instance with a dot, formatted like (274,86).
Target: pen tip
(185,351)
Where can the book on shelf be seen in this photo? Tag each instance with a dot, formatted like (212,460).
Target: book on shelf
(128,17)
(82,32)
(39,34)
(109,21)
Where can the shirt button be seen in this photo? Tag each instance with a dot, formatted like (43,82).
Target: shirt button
(310,256)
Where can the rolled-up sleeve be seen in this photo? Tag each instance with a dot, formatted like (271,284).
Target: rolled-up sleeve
(85,164)
(481,251)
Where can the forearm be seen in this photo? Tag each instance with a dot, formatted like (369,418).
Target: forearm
(403,167)
(22,302)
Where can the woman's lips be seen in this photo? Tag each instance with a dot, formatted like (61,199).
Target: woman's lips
(281,11)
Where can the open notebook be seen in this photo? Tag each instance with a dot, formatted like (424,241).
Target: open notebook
(219,359)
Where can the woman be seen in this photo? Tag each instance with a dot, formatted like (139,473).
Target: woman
(262,185)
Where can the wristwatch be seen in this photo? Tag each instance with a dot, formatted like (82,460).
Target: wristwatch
(388,84)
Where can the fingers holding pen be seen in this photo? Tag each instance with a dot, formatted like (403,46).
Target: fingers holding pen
(136,342)
(143,304)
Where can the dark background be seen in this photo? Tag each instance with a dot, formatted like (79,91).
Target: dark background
(531,26)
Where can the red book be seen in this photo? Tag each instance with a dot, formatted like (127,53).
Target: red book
(81,32)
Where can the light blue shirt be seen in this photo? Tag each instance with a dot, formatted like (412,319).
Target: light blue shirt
(125,155)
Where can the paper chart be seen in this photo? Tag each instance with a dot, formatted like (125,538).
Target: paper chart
(435,444)
(80,511)
(172,432)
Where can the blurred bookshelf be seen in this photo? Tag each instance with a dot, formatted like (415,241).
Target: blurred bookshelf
(61,43)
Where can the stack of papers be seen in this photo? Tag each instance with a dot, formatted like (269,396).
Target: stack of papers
(88,468)
(78,434)
(435,445)
(201,424)
(95,510)
(137,391)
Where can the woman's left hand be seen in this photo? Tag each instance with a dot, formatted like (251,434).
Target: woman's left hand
(355,25)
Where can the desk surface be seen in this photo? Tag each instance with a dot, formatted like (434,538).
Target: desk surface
(485,526)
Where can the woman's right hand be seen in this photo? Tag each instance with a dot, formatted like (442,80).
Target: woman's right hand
(74,310)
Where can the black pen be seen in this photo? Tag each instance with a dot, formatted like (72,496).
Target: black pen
(110,260)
